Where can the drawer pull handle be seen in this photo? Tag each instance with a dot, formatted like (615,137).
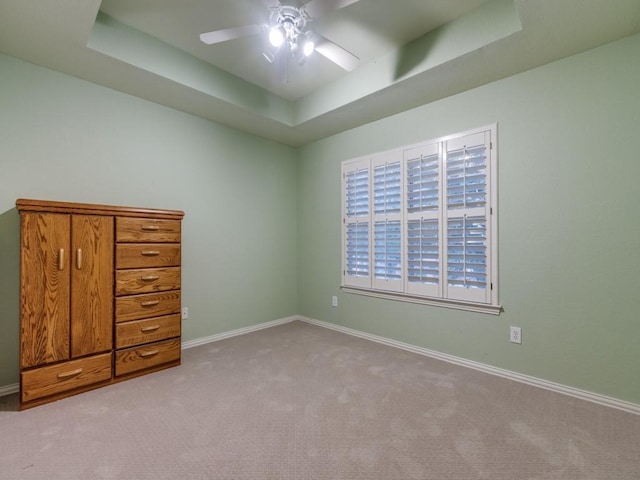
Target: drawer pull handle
(61,259)
(150,253)
(149,278)
(72,373)
(151,328)
(150,228)
(150,303)
(149,353)
(79,259)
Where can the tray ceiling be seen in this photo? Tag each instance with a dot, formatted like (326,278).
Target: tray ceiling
(411,52)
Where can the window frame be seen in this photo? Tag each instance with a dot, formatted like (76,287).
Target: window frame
(427,293)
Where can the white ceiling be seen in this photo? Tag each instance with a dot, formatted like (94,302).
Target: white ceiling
(369,29)
(411,52)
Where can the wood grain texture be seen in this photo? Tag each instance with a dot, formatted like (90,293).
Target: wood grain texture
(25,205)
(135,307)
(144,255)
(67,376)
(91,285)
(132,230)
(44,288)
(147,356)
(147,280)
(137,332)
(71,269)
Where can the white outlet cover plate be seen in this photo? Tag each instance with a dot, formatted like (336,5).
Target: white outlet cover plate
(516,335)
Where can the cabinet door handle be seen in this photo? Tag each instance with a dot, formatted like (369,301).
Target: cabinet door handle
(150,328)
(149,278)
(72,373)
(150,228)
(79,259)
(150,303)
(61,259)
(150,253)
(149,353)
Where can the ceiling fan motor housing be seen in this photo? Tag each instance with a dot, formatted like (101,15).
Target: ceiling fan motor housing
(293,23)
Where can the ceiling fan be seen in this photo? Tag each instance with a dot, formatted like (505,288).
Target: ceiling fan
(289,31)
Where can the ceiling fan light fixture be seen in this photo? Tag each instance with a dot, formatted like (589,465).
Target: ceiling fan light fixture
(288,32)
(308,47)
(276,36)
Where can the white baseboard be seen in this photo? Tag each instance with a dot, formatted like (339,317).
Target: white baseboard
(241,331)
(9,389)
(518,377)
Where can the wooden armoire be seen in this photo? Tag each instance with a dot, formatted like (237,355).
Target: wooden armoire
(99,296)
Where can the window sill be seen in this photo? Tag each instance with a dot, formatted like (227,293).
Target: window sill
(437,302)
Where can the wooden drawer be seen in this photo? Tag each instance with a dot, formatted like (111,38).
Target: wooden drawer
(130,230)
(135,307)
(144,255)
(138,332)
(46,381)
(140,358)
(147,280)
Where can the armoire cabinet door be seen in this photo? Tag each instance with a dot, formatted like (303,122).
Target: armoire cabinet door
(44,298)
(91,284)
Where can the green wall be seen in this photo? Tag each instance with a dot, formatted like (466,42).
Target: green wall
(569,230)
(569,224)
(66,139)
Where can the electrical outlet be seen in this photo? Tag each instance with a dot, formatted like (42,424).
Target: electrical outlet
(334,301)
(185,313)
(516,335)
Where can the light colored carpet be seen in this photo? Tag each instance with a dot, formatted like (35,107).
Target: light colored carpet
(303,402)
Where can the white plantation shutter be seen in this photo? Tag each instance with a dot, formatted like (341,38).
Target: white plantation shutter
(386,248)
(357,192)
(386,188)
(423,179)
(387,220)
(356,223)
(358,249)
(467,252)
(423,254)
(467,210)
(423,224)
(419,223)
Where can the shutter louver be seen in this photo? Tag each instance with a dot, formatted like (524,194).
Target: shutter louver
(356,227)
(386,188)
(357,261)
(467,177)
(423,252)
(422,183)
(387,249)
(467,252)
(357,200)
(387,223)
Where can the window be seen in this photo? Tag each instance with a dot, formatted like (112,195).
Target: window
(420,223)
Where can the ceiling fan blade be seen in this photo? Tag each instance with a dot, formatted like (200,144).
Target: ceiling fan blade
(271,3)
(337,54)
(316,8)
(218,36)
